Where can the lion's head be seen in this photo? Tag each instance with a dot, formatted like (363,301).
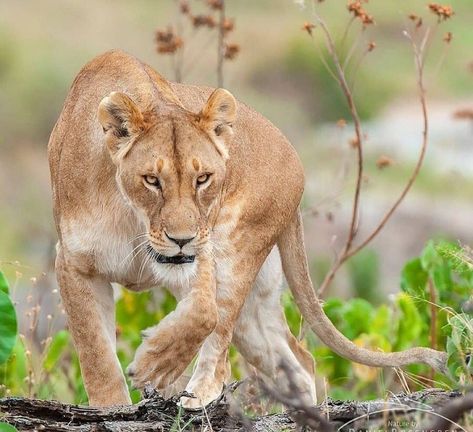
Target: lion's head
(170,168)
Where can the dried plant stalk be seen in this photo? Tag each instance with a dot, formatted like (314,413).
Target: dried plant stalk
(349,249)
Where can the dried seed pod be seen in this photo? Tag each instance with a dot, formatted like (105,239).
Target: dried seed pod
(308,27)
(231,51)
(443,12)
(215,4)
(384,162)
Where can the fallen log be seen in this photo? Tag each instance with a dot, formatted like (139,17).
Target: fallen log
(157,414)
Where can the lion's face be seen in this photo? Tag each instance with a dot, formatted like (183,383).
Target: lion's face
(171,170)
(174,176)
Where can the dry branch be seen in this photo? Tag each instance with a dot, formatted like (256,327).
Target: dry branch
(349,249)
(157,414)
(451,413)
(435,359)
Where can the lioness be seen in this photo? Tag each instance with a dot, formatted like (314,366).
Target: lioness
(156,183)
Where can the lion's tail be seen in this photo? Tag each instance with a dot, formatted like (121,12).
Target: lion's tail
(295,266)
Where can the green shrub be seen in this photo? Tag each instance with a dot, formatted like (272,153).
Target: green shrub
(8,323)
(439,282)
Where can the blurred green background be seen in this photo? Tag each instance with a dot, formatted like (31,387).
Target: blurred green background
(279,72)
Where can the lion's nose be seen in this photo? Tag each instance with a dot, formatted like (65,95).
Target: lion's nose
(181,242)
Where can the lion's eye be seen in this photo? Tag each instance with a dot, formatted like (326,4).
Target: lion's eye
(152,180)
(203,179)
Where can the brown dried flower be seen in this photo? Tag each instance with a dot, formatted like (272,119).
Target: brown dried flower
(203,21)
(167,41)
(448,37)
(464,114)
(164,36)
(367,19)
(308,27)
(215,4)
(354,142)
(384,162)
(184,6)
(231,51)
(443,12)
(356,8)
(228,25)
(416,19)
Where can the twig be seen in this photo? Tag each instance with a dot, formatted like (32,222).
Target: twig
(193,61)
(433,320)
(356,119)
(347,30)
(155,413)
(221,48)
(179,54)
(348,251)
(418,54)
(304,414)
(451,413)
(352,50)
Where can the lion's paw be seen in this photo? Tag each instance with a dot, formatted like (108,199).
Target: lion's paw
(204,393)
(160,360)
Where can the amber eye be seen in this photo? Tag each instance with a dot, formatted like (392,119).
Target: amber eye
(152,180)
(203,179)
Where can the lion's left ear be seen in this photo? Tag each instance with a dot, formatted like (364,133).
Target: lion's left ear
(217,118)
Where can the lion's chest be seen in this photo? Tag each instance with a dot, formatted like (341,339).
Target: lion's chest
(116,249)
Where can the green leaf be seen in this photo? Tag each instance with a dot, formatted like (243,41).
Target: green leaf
(363,271)
(358,316)
(381,322)
(14,371)
(410,322)
(333,309)
(414,279)
(4,283)
(457,258)
(442,277)
(459,344)
(430,258)
(60,342)
(5,427)
(8,327)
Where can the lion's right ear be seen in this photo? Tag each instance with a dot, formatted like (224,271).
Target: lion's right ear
(121,119)
(217,117)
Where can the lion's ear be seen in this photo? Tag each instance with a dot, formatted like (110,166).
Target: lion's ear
(121,119)
(217,118)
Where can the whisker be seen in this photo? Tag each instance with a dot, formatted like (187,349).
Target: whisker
(132,252)
(138,237)
(144,263)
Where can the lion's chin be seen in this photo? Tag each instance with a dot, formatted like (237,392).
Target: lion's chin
(176,259)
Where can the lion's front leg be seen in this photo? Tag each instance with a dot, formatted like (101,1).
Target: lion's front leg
(234,281)
(169,347)
(88,300)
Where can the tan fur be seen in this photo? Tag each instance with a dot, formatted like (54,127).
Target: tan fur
(137,162)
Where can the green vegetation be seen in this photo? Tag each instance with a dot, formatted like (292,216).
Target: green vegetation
(434,308)
(8,324)
(5,427)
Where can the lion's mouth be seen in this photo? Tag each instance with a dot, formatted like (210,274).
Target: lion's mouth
(176,259)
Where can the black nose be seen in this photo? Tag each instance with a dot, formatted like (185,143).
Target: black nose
(180,242)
